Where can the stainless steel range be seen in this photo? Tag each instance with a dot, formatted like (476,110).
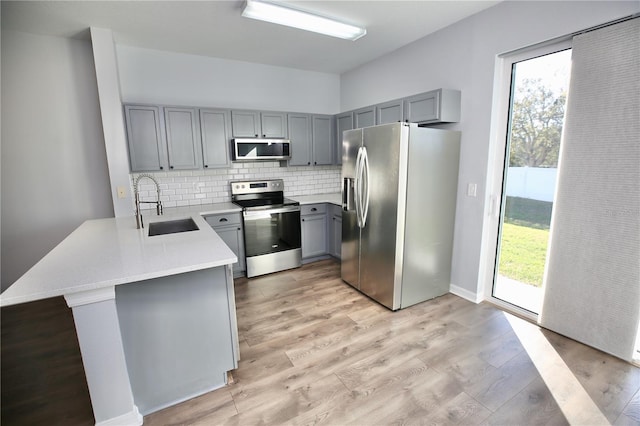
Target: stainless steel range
(271,226)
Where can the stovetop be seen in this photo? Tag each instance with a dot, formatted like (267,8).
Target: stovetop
(264,203)
(258,195)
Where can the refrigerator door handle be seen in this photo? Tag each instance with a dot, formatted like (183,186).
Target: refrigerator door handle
(358,188)
(347,195)
(365,179)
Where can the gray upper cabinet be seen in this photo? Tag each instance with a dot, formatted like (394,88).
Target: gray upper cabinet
(300,137)
(389,112)
(344,122)
(437,106)
(274,124)
(322,137)
(215,128)
(256,124)
(183,142)
(147,151)
(311,139)
(245,124)
(365,117)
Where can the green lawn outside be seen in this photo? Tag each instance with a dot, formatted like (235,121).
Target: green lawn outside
(525,235)
(523,252)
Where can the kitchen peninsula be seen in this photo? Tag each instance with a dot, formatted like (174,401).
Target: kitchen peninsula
(155,315)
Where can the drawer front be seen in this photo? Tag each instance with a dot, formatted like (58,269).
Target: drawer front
(313,209)
(220,220)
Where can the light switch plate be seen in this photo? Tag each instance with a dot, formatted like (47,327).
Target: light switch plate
(471,189)
(122,192)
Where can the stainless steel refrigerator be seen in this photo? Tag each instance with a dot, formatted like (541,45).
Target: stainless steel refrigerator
(398,209)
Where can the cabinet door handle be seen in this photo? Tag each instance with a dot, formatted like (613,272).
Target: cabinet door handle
(239,229)
(224,219)
(161,168)
(313,209)
(303,220)
(206,166)
(315,163)
(256,135)
(308,163)
(171,167)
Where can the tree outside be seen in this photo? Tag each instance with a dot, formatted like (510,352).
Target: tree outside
(536,125)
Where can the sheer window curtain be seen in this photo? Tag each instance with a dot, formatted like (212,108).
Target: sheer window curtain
(592,280)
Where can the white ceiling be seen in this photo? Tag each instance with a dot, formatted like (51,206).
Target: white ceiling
(215,28)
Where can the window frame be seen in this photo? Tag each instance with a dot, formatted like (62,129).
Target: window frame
(495,184)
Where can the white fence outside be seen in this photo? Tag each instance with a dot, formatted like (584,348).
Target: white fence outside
(531,182)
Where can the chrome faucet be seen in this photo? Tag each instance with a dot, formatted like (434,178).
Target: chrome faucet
(158,203)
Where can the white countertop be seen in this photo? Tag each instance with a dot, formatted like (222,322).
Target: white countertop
(333,198)
(108,252)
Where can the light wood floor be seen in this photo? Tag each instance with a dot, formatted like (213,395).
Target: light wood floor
(315,351)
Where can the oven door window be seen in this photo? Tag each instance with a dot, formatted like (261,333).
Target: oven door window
(266,232)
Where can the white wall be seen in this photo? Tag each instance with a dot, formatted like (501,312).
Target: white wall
(462,56)
(54,170)
(153,76)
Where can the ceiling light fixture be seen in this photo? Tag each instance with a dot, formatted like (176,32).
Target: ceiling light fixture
(286,15)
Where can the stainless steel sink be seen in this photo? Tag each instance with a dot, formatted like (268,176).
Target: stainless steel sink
(172,227)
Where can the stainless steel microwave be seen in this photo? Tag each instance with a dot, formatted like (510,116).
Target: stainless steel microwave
(251,149)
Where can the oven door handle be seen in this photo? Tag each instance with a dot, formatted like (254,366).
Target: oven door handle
(263,214)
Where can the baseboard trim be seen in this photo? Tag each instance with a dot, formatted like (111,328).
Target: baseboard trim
(132,418)
(465,294)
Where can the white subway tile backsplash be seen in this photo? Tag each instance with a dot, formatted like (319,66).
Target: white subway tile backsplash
(186,188)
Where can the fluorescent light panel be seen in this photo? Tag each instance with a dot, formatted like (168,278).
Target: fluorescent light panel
(279,14)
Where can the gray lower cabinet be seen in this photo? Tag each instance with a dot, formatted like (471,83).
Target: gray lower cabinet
(335,231)
(389,112)
(215,130)
(229,227)
(343,122)
(183,142)
(147,148)
(314,230)
(179,335)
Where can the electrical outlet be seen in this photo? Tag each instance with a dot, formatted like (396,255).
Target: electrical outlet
(471,189)
(122,192)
